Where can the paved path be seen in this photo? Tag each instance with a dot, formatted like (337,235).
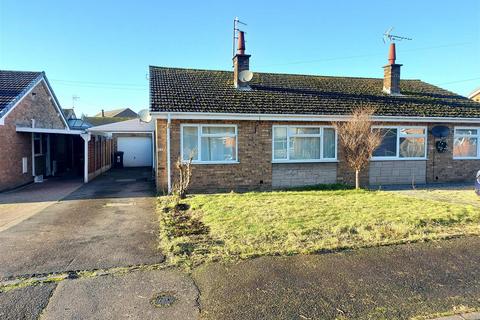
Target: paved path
(397,282)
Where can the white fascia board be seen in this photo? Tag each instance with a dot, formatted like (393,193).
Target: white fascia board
(43,130)
(301,117)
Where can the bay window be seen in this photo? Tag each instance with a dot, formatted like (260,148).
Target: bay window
(465,143)
(401,143)
(209,143)
(304,144)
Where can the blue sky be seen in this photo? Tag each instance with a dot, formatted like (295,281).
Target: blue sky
(100,50)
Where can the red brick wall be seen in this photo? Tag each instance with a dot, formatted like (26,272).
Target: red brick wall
(15,145)
(441,167)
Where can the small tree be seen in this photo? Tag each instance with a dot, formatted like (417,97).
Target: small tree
(358,140)
(182,182)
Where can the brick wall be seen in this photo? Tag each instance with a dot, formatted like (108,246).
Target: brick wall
(397,172)
(441,167)
(303,174)
(15,146)
(254,172)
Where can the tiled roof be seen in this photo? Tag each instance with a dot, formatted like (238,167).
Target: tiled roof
(98,121)
(191,90)
(124,112)
(13,83)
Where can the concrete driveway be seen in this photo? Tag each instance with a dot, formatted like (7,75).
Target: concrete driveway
(106,223)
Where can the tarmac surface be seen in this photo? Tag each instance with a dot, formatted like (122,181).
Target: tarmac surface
(396,282)
(106,223)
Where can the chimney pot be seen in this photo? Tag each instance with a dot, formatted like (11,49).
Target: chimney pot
(392,55)
(241,43)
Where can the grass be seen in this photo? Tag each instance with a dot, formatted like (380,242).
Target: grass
(236,226)
(465,197)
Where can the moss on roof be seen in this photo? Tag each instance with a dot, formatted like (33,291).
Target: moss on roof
(193,90)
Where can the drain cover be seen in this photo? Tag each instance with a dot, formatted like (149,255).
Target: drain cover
(163,299)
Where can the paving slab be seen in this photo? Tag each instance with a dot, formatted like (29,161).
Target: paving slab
(396,282)
(89,229)
(25,303)
(124,297)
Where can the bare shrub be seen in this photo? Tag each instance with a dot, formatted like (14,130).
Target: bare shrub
(181,184)
(358,139)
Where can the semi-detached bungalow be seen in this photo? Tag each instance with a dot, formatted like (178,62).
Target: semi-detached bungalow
(276,130)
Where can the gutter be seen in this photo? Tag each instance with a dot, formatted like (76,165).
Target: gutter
(302,117)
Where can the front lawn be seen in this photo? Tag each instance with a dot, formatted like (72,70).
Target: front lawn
(232,226)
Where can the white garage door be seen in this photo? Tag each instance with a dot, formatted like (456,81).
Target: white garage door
(137,151)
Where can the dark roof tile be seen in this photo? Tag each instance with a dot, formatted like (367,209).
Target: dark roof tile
(13,83)
(192,90)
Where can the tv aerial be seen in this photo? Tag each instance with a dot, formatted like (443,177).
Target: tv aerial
(236,28)
(388,36)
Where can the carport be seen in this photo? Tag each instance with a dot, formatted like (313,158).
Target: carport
(66,152)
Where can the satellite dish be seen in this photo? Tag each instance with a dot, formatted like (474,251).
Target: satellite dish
(245,76)
(440,131)
(144,115)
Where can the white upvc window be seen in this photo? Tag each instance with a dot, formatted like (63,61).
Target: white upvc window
(304,143)
(401,143)
(465,143)
(209,143)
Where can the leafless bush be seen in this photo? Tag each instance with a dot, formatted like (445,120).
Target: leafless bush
(181,184)
(358,140)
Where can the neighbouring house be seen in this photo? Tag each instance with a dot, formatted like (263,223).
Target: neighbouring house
(275,130)
(134,138)
(112,116)
(118,113)
(37,140)
(98,121)
(475,95)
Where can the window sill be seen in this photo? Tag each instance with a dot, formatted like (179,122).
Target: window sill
(305,161)
(466,158)
(214,162)
(398,159)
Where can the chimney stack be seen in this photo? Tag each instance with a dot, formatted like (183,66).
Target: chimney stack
(391,73)
(241,62)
